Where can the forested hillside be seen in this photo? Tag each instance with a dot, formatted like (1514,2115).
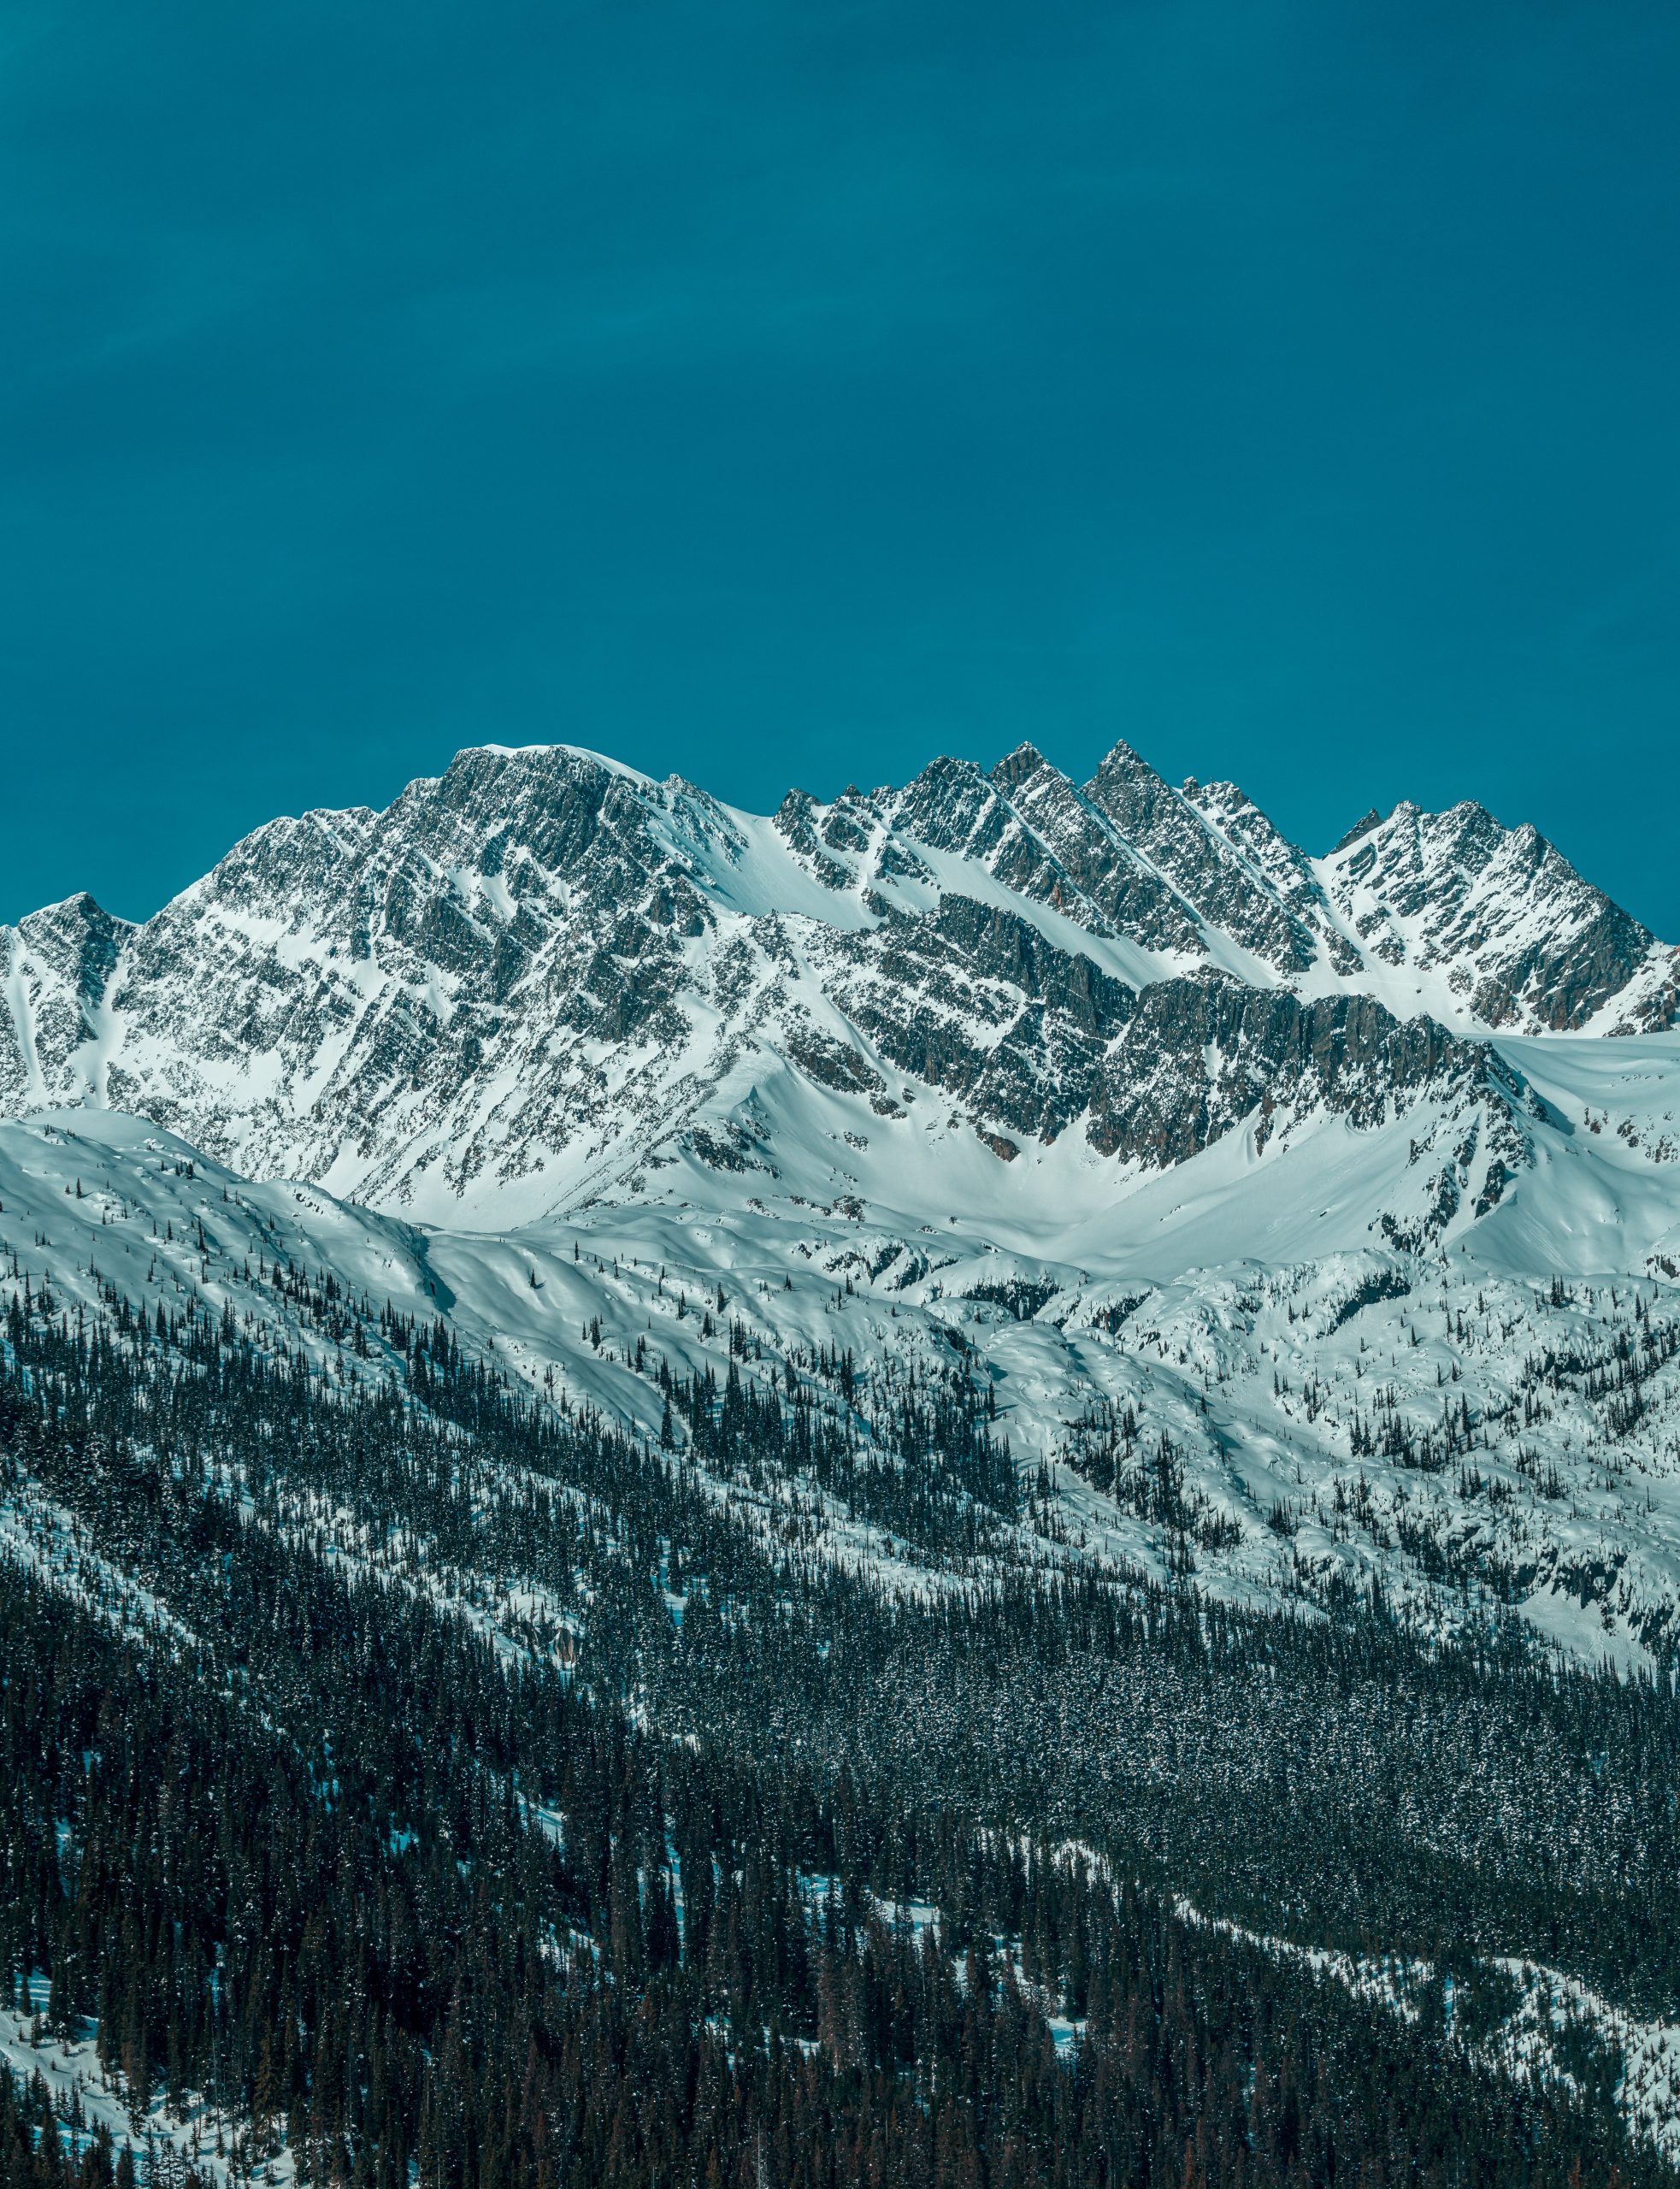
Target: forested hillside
(400,1774)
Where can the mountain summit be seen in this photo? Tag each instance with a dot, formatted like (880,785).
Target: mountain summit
(536,974)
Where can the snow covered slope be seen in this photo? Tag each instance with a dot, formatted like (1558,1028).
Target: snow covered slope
(1303,1226)
(534,979)
(1300,1369)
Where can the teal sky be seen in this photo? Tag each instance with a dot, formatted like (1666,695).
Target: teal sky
(788,392)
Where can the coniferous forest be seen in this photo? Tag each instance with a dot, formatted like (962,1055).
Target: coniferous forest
(451,1791)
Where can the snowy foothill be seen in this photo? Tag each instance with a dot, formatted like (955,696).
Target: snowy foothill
(1481,1429)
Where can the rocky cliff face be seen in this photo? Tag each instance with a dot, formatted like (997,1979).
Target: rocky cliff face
(1502,919)
(542,973)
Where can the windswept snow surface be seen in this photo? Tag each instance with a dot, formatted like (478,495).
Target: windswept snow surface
(1486,1424)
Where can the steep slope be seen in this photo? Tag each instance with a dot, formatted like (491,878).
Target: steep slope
(1496,920)
(1301,1369)
(523,981)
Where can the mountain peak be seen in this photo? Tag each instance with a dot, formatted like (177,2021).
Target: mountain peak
(1123,764)
(1499,917)
(78,939)
(1019,766)
(1372,820)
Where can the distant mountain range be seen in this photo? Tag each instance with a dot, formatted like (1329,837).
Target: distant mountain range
(532,979)
(1111,1089)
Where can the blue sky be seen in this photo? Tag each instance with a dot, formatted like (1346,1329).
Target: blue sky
(789,392)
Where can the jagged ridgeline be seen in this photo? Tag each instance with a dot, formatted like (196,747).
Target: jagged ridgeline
(403,1775)
(534,977)
(976,1485)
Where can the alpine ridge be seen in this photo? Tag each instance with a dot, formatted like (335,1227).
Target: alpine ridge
(1151,1118)
(540,971)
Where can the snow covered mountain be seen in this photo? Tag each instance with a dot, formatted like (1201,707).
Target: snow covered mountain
(1304,1225)
(536,977)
